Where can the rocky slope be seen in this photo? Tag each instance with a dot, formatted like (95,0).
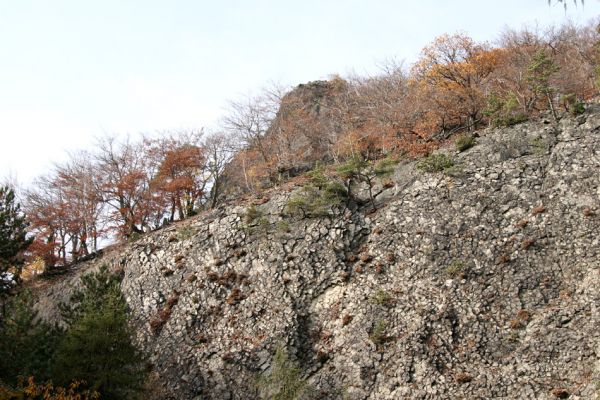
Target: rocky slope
(482,282)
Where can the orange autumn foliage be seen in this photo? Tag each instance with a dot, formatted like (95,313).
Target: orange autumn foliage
(46,391)
(451,75)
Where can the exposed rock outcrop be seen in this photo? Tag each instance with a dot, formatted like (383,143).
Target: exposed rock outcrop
(479,283)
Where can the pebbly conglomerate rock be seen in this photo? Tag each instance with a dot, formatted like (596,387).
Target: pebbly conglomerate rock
(482,282)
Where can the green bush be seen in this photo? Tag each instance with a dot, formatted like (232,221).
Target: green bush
(283,226)
(385,167)
(435,163)
(504,111)
(185,232)
(353,167)
(455,268)
(510,120)
(252,214)
(572,104)
(318,197)
(299,203)
(539,145)
(255,220)
(464,142)
(378,335)
(134,237)
(577,108)
(359,170)
(284,381)
(381,297)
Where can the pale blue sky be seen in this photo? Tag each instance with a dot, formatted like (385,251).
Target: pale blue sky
(74,70)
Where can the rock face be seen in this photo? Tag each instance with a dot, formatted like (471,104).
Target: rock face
(482,282)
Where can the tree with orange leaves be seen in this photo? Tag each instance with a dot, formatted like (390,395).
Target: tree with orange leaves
(66,211)
(181,177)
(451,74)
(50,219)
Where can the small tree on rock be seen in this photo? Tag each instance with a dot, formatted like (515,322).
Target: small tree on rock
(539,73)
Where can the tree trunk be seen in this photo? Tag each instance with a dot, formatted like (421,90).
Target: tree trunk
(551,105)
(214,193)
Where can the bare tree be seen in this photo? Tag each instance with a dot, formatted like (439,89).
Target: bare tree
(248,119)
(219,150)
(78,181)
(125,175)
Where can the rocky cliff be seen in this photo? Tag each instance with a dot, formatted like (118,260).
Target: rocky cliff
(475,283)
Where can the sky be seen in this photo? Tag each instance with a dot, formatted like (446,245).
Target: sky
(72,71)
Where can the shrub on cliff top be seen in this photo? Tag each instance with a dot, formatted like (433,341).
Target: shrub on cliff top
(435,163)
(318,197)
(464,142)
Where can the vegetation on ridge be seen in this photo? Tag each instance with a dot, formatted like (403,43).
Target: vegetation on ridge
(456,86)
